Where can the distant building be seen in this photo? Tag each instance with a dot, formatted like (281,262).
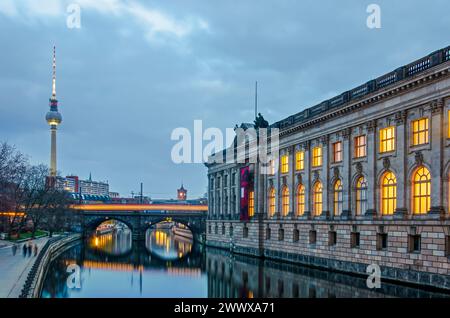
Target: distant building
(182,193)
(71,184)
(114,195)
(94,187)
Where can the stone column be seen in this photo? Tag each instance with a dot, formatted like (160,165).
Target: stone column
(238,193)
(346,173)
(401,146)
(325,176)
(372,148)
(307,179)
(229,207)
(290,181)
(437,137)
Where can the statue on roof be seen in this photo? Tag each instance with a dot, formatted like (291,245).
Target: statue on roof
(260,122)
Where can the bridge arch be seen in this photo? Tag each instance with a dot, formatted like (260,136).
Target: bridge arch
(92,223)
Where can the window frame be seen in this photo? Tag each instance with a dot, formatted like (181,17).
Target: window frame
(386,187)
(300,207)
(358,147)
(299,160)
(284,162)
(386,140)
(317,157)
(419,132)
(361,188)
(417,185)
(338,197)
(337,152)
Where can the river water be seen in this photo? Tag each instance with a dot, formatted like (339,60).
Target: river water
(169,265)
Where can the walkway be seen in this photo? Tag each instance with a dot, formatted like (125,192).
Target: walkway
(14,268)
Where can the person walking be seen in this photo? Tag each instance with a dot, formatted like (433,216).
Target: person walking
(29,249)
(35,250)
(24,249)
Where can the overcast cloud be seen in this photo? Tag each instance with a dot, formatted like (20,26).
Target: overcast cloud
(136,70)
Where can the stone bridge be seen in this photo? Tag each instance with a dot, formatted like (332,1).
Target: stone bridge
(140,219)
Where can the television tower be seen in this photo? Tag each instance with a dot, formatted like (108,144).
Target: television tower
(53,118)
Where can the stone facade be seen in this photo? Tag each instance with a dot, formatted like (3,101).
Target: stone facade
(408,246)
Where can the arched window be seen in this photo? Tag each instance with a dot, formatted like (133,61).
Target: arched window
(317,198)
(271,202)
(421,191)
(388,193)
(285,201)
(300,200)
(338,198)
(361,195)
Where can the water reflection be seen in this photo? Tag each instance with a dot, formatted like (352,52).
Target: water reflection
(115,242)
(154,269)
(169,241)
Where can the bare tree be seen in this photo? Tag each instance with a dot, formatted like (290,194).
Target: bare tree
(13,167)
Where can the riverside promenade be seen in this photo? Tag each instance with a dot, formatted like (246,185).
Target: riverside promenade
(14,268)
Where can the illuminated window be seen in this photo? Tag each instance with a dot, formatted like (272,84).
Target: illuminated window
(420,131)
(271,202)
(361,196)
(284,164)
(360,146)
(251,203)
(421,191)
(388,193)
(317,156)
(300,200)
(338,198)
(337,151)
(285,201)
(317,198)
(387,139)
(299,160)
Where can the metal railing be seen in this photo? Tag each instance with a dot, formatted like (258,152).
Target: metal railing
(404,72)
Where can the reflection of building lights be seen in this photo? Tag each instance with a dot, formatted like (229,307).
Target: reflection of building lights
(96,241)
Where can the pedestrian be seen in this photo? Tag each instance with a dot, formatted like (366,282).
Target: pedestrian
(29,249)
(35,249)
(14,249)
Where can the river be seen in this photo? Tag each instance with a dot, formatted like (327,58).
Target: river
(169,265)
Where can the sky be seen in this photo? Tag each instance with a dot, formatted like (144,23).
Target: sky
(136,70)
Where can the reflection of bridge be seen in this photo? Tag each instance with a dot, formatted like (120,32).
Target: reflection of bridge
(139,217)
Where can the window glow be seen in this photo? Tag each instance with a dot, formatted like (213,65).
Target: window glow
(317,156)
(299,160)
(420,131)
(387,139)
(338,198)
(285,201)
(388,193)
(271,202)
(317,198)
(421,191)
(300,200)
(360,146)
(284,164)
(251,203)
